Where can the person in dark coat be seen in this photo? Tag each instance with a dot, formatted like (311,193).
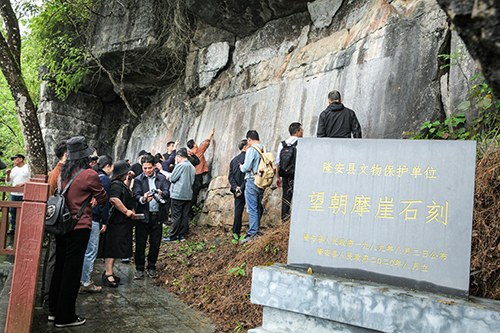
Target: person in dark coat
(116,242)
(137,167)
(151,225)
(337,121)
(237,181)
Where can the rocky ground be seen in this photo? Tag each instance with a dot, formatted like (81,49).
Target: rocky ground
(213,274)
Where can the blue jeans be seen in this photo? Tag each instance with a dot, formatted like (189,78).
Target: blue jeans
(13,211)
(253,198)
(91,253)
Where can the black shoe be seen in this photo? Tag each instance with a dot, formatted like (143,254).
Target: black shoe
(138,275)
(107,283)
(117,279)
(79,321)
(152,273)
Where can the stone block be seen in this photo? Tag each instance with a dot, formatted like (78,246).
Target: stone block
(211,60)
(276,38)
(323,11)
(300,302)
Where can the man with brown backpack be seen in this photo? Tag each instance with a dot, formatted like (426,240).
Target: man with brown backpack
(259,172)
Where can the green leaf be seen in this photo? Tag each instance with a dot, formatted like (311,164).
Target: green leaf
(484,103)
(464,105)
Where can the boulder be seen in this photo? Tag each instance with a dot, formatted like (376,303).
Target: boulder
(243,17)
(477,23)
(323,11)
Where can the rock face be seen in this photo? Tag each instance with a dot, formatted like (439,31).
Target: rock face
(478,24)
(263,65)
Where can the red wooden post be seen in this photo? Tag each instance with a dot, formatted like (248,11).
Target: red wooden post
(29,234)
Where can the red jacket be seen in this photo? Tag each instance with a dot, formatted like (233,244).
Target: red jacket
(201,168)
(54,177)
(86,184)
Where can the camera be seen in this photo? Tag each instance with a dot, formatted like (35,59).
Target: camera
(238,191)
(94,158)
(157,196)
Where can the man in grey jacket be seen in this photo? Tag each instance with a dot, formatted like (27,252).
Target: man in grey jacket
(181,193)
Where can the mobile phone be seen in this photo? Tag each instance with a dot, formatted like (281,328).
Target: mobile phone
(139,216)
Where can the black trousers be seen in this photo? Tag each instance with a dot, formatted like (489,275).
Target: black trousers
(198,183)
(49,264)
(286,200)
(180,218)
(239,206)
(153,229)
(70,252)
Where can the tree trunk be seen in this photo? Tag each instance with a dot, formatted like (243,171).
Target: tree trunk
(10,65)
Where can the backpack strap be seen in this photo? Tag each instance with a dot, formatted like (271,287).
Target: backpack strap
(69,183)
(283,144)
(264,150)
(260,153)
(85,203)
(80,211)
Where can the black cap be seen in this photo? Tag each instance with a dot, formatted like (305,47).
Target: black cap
(16,156)
(142,152)
(78,148)
(120,168)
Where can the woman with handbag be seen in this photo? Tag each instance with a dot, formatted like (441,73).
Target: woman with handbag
(116,242)
(70,247)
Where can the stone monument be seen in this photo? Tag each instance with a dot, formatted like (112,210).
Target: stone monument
(379,241)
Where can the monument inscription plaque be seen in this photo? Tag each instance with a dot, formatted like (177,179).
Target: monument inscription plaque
(389,211)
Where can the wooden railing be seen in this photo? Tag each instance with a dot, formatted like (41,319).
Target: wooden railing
(4,226)
(28,237)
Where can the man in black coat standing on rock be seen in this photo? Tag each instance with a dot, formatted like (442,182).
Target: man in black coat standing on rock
(237,181)
(337,121)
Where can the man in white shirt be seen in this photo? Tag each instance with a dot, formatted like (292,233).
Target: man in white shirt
(18,176)
(286,170)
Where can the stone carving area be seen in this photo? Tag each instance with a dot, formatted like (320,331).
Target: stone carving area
(262,64)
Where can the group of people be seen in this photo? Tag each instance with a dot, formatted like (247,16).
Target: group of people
(336,121)
(118,196)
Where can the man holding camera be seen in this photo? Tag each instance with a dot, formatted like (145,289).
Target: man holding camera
(151,189)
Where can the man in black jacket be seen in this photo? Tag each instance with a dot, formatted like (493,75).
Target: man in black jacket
(151,225)
(237,181)
(337,121)
(137,167)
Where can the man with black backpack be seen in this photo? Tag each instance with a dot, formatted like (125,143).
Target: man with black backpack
(285,163)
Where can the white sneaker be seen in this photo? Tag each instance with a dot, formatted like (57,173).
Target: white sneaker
(79,321)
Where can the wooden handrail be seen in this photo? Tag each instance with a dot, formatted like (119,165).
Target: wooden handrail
(28,247)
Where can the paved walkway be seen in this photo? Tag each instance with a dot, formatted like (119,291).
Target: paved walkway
(135,306)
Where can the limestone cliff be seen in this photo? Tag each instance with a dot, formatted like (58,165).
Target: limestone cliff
(262,64)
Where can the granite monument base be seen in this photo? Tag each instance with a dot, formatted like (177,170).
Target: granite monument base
(295,301)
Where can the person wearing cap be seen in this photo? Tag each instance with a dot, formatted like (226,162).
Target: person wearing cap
(16,177)
(71,247)
(100,214)
(182,180)
(137,167)
(116,242)
(151,225)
